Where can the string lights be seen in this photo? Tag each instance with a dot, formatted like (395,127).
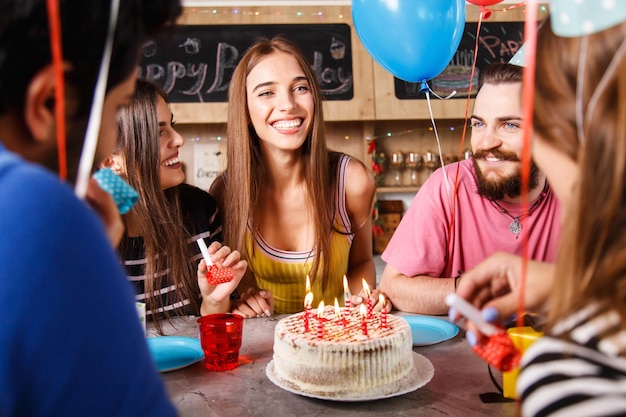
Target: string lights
(257,11)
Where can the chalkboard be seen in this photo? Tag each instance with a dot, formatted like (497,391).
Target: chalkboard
(197,64)
(497,42)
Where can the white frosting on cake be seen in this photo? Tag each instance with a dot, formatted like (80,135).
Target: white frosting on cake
(344,363)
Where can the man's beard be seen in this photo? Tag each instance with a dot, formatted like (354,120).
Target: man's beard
(510,186)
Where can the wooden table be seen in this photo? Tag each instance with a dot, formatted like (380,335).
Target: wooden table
(460,376)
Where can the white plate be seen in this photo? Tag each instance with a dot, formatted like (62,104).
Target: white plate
(420,375)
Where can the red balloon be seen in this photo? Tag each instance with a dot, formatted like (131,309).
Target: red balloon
(484,2)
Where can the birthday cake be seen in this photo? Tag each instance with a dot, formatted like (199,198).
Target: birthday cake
(346,358)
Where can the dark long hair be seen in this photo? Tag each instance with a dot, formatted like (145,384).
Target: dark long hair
(163,232)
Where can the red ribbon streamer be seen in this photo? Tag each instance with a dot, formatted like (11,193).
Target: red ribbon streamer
(54,20)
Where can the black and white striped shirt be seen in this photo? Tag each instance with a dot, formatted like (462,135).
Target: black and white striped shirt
(200,217)
(578,370)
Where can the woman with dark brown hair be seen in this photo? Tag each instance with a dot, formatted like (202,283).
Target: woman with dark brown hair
(294,208)
(159,248)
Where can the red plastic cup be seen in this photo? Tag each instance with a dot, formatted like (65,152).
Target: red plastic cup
(220,337)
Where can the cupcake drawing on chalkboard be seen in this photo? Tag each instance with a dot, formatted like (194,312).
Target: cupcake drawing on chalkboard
(191,45)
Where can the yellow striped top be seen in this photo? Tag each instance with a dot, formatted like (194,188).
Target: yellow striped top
(284,272)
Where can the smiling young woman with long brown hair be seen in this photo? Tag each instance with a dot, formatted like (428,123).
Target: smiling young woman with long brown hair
(293,207)
(159,247)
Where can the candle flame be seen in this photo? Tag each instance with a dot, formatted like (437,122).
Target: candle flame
(366,288)
(308,299)
(346,289)
(362,310)
(337,309)
(381,300)
(308,284)
(320,309)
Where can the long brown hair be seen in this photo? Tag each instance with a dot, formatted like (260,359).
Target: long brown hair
(246,176)
(163,232)
(591,263)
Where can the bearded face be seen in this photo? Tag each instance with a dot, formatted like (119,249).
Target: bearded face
(497,141)
(497,187)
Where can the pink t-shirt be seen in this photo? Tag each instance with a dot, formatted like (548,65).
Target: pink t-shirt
(419,244)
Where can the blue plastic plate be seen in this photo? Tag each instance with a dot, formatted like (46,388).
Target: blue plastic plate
(174,352)
(430,330)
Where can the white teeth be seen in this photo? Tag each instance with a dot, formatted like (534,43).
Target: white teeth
(170,162)
(287,124)
(492,159)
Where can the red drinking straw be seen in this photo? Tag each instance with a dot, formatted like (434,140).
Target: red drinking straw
(528,94)
(54,20)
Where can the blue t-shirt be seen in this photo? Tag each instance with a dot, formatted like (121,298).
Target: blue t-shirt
(70,340)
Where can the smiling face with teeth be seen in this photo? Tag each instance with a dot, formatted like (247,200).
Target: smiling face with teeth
(171,173)
(280,102)
(497,139)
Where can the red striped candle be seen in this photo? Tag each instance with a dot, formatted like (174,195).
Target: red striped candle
(320,322)
(363,321)
(346,297)
(383,312)
(308,300)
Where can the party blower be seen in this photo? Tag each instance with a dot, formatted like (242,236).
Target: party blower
(498,350)
(215,275)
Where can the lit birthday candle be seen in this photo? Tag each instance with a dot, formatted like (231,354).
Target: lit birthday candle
(337,311)
(366,289)
(363,322)
(308,300)
(346,297)
(383,312)
(320,320)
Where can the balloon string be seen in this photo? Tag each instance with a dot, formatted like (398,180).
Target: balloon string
(452,94)
(54,20)
(87,156)
(483,11)
(432,120)
(528,83)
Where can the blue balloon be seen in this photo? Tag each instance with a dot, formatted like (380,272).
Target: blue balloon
(412,39)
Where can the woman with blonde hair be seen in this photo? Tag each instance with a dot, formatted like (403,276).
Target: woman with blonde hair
(294,208)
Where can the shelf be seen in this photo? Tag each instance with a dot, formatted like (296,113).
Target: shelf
(401,189)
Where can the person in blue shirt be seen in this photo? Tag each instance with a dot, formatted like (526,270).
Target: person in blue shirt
(70,340)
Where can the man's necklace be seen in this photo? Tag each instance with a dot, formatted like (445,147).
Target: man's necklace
(516,226)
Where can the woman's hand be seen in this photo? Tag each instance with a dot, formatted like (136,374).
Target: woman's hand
(493,286)
(216,298)
(255,303)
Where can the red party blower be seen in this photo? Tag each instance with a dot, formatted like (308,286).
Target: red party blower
(215,275)
(498,350)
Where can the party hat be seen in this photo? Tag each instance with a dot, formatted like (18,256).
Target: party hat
(571,18)
(519,57)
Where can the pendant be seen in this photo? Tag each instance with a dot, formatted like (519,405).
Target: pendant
(515,227)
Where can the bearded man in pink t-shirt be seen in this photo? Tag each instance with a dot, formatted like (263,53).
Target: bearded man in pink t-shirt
(436,241)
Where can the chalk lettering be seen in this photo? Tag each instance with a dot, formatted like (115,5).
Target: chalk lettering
(222,63)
